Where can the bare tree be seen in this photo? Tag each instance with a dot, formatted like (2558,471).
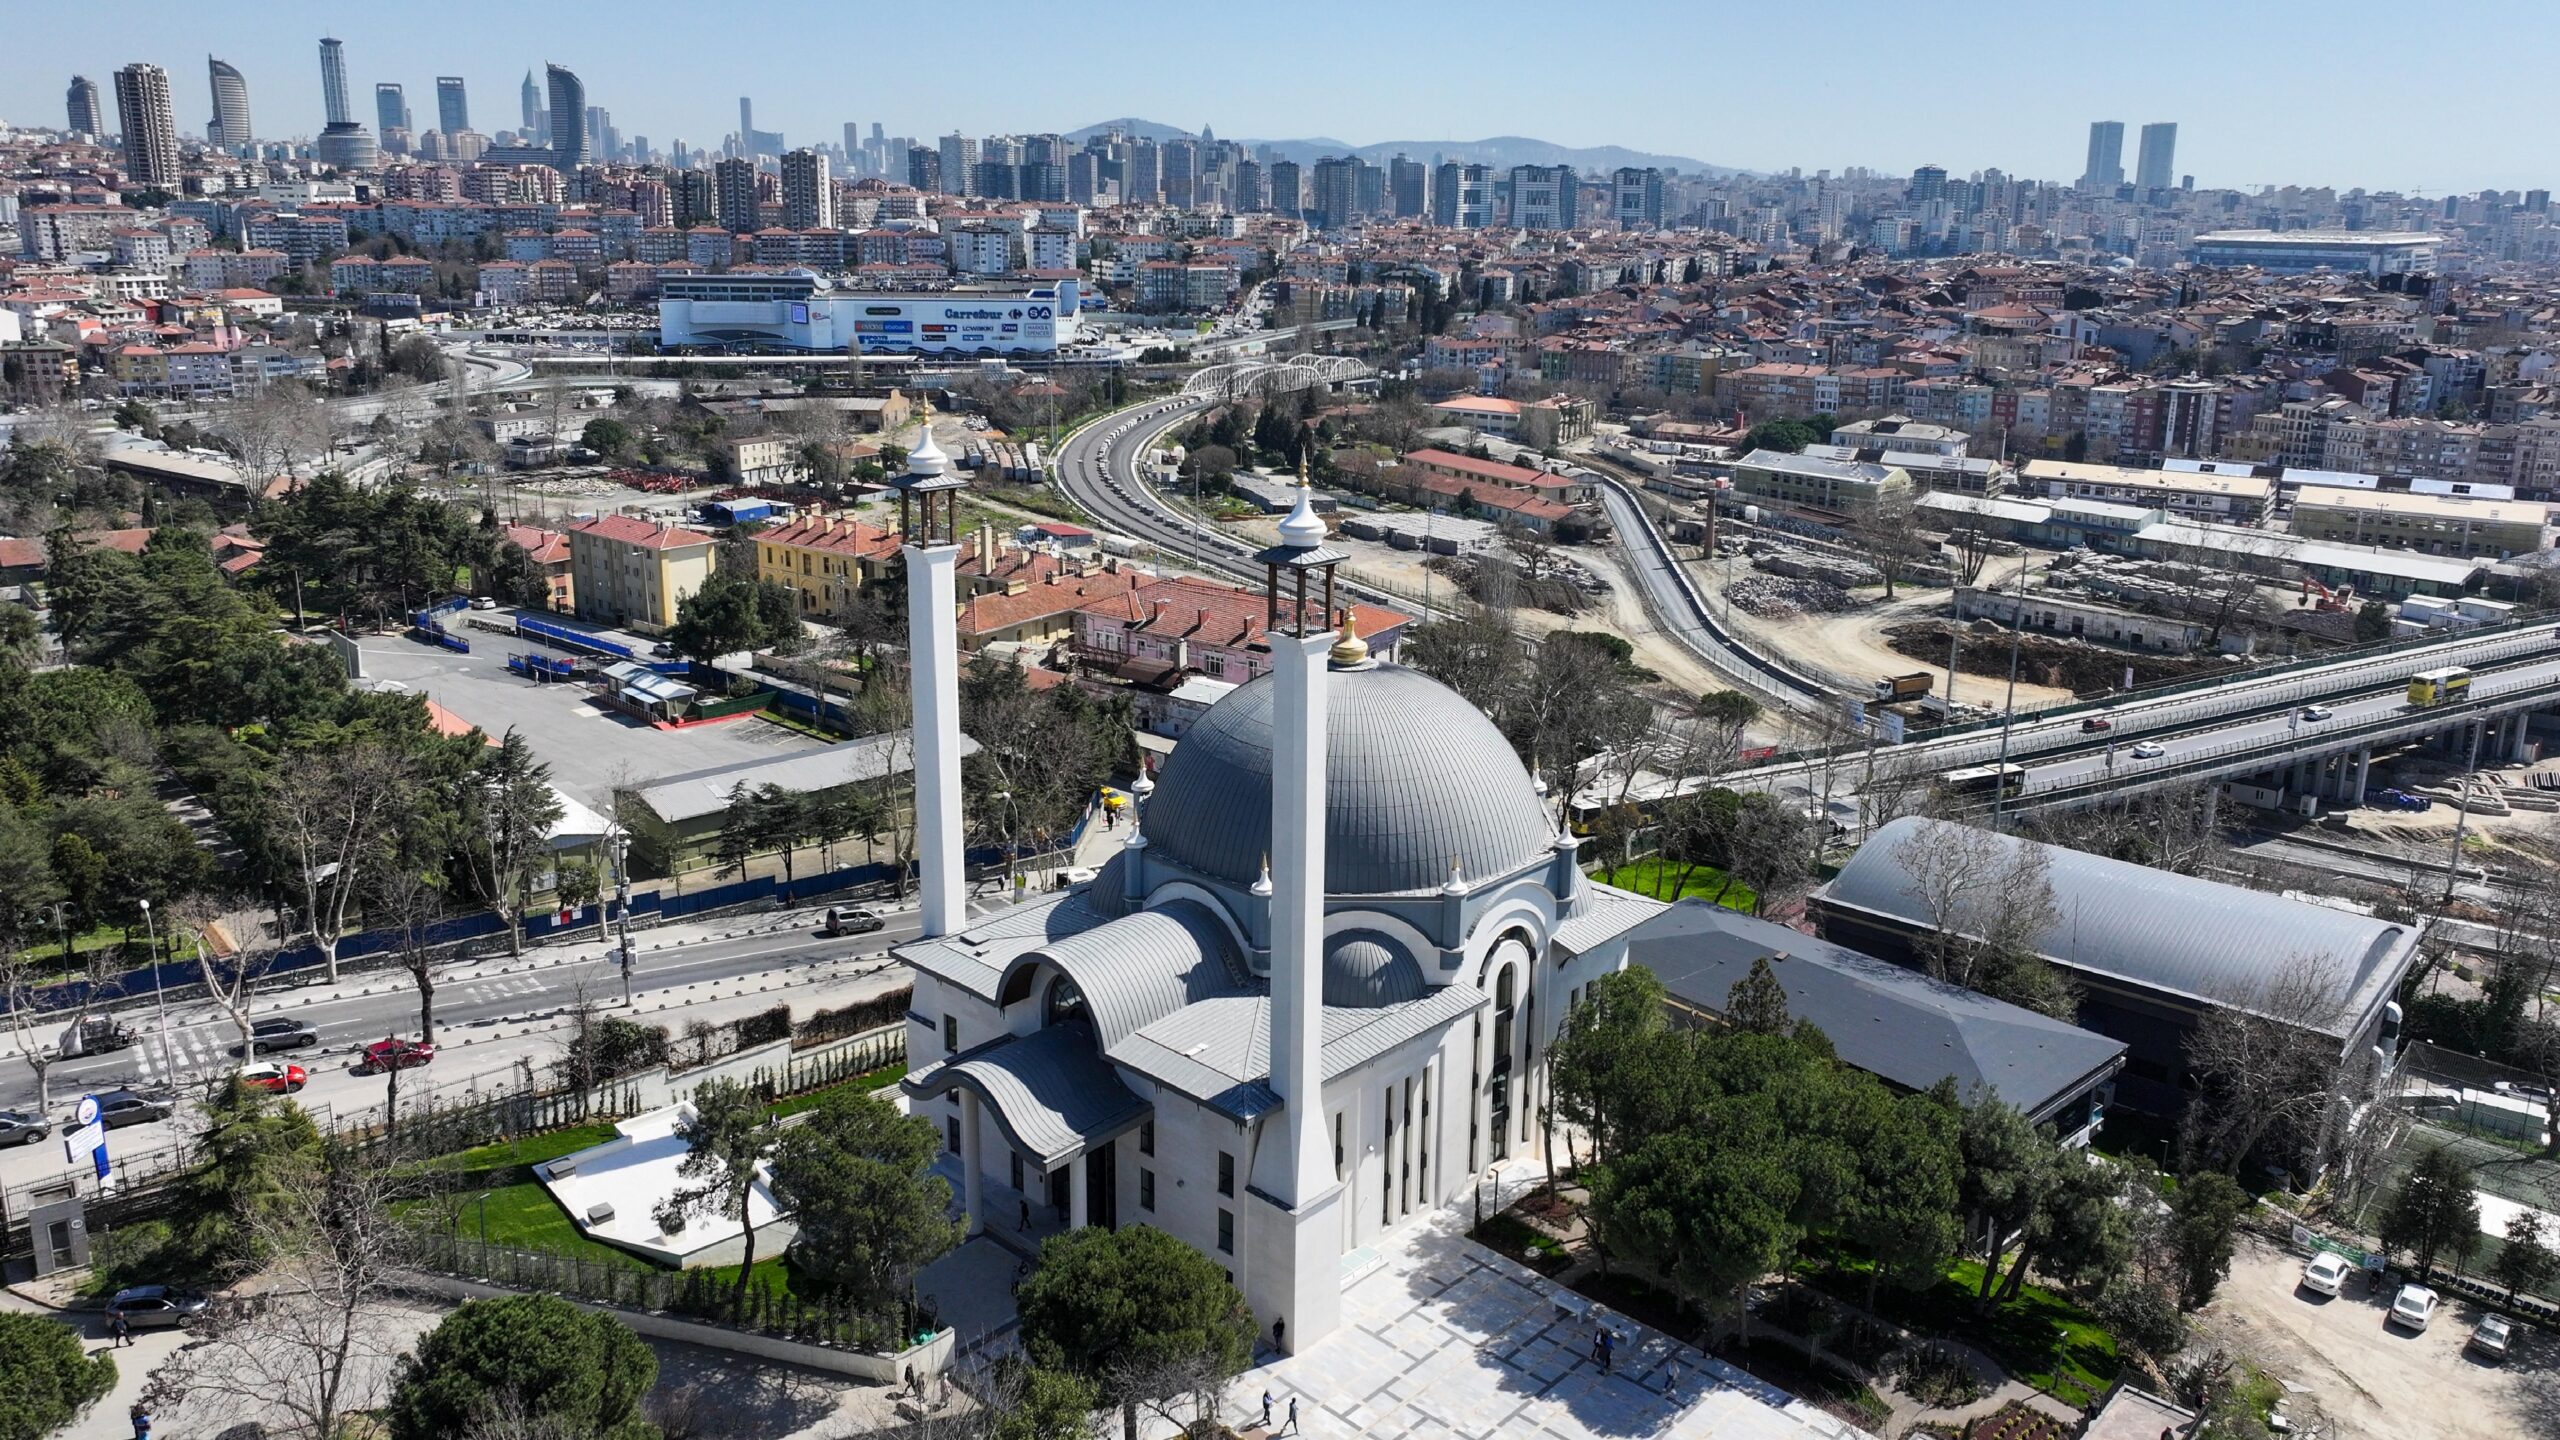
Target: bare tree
(18,991)
(230,980)
(1887,531)
(413,905)
(1973,549)
(2270,1068)
(300,1357)
(1987,899)
(334,814)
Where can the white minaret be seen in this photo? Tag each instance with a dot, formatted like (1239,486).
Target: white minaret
(930,491)
(1294,1270)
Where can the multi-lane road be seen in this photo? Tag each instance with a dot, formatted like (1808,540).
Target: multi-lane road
(493,1016)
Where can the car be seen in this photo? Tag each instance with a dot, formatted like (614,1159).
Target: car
(2316,712)
(280,1034)
(2327,1273)
(851,920)
(393,1053)
(155,1307)
(2096,724)
(119,1108)
(2525,1090)
(275,1076)
(2413,1307)
(17,1127)
(484,602)
(2148,750)
(2492,1336)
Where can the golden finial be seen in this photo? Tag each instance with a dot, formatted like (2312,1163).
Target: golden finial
(1302,464)
(1350,650)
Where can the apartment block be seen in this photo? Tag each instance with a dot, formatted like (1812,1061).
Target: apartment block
(628,571)
(2432,524)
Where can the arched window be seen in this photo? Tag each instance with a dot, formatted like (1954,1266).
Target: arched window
(1065,1005)
(1504,984)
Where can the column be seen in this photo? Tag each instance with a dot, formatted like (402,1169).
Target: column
(1077,1215)
(1297,908)
(2522,750)
(972,1169)
(2364,772)
(933,653)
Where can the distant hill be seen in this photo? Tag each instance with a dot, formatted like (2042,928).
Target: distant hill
(1500,151)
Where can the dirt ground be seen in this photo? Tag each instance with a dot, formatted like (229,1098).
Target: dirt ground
(1851,646)
(2375,1381)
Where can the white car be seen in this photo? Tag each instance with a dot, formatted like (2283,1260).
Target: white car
(2147,750)
(2413,1307)
(2327,1273)
(2315,712)
(2493,1337)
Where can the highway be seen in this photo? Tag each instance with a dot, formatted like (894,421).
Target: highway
(1682,612)
(493,1015)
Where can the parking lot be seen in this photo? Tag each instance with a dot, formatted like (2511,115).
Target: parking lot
(2378,1381)
(587,745)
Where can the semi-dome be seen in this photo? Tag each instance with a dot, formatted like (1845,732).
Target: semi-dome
(1364,969)
(1415,777)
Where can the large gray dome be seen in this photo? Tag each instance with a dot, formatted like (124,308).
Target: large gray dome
(1414,777)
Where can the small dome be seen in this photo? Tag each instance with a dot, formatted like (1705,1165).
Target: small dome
(1302,530)
(1414,778)
(1364,969)
(928,458)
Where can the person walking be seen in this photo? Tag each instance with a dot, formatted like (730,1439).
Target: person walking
(141,1421)
(120,1328)
(1025,1222)
(1266,1412)
(1608,1352)
(1293,1417)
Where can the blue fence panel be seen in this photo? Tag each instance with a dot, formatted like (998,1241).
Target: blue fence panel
(573,639)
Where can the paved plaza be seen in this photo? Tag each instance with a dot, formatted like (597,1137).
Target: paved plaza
(1441,1337)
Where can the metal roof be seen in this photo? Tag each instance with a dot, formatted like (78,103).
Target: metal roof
(1601,913)
(1137,969)
(1219,1051)
(706,792)
(1894,1023)
(1051,1094)
(1414,776)
(2159,931)
(976,959)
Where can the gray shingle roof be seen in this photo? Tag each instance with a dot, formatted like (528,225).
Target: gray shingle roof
(1050,1093)
(1894,1023)
(1219,1051)
(1414,776)
(1140,968)
(2165,932)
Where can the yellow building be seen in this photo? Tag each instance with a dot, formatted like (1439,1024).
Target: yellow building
(628,571)
(2434,524)
(824,559)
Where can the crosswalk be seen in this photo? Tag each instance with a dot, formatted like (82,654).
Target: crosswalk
(197,1050)
(494,989)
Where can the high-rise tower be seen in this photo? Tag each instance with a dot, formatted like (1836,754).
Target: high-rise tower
(453,106)
(343,143)
(333,82)
(2156,166)
(229,127)
(150,124)
(570,143)
(82,107)
(2105,170)
(531,99)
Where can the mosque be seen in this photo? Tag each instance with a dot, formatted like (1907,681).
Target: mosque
(1307,1001)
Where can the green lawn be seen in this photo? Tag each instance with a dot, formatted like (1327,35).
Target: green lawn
(1651,876)
(2040,1337)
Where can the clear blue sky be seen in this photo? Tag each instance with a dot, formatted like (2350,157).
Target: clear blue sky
(2352,92)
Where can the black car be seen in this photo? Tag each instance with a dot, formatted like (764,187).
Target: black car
(17,1127)
(850,921)
(280,1034)
(146,1307)
(119,1108)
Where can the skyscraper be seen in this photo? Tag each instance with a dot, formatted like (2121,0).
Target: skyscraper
(1335,192)
(453,106)
(530,98)
(568,110)
(85,112)
(1928,183)
(333,82)
(959,158)
(1545,197)
(150,124)
(229,127)
(1635,198)
(1288,188)
(2156,166)
(808,193)
(2106,156)
(733,187)
(1409,188)
(1461,196)
(390,107)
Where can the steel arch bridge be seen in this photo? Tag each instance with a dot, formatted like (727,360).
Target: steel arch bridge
(1235,379)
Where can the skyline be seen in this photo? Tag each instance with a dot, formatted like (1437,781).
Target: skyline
(1747,114)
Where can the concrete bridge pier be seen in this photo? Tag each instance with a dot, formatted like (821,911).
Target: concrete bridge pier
(2364,773)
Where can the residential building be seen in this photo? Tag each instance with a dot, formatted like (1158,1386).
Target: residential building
(150,124)
(1409,188)
(1545,197)
(1635,198)
(1462,197)
(2433,524)
(549,551)
(808,195)
(733,185)
(628,571)
(763,459)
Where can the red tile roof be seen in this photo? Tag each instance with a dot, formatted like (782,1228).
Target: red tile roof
(648,534)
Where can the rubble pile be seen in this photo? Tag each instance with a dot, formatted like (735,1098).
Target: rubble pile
(1773,596)
(1806,565)
(2165,586)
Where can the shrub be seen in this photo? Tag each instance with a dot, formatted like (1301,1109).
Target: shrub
(45,1382)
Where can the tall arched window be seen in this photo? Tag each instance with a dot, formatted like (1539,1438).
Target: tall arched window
(1065,1005)
(1498,1107)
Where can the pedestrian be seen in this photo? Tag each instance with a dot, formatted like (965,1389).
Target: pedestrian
(141,1421)
(121,1328)
(1608,1352)
(1600,1345)
(1266,1412)
(1293,1416)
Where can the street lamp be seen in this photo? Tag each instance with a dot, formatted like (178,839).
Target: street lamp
(160,994)
(622,907)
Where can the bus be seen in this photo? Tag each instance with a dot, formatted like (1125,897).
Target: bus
(2448,686)
(1984,781)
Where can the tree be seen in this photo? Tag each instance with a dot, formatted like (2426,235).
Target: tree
(1903,1210)
(1757,1003)
(2204,1225)
(855,1176)
(1710,1208)
(1143,1317)
(2266,1070)
(727,1135)
(1784,436)
(1046,753)
(539,1355)
(329,1237)
(1988,899)
(509,808)
(1767,851)
(230,980)
(333,815)
(608,437)
(258,1150)
(2526,1262)
(1888,531)
(2434,1212)
(46,1381)
(2007,1171)
(2373,623)
(733,612)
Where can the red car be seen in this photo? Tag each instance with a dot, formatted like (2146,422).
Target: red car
(274,1076)
(394,1053)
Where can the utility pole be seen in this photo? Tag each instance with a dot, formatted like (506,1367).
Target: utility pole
(2009,709)
(622,908)
(160,997)
(2461,814)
